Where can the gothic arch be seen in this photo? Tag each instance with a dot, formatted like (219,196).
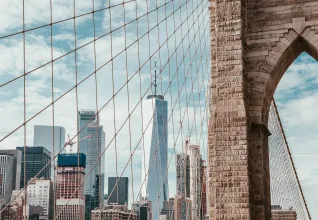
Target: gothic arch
(253,42)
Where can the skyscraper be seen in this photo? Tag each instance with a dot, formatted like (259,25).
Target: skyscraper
(122,188)
(43,136)
(70,173)
(143,209)
(6,171)
(195,180)
(154,161)
(17,156)
(92,148)
(36,159)
(203,190)
(183,174)
(182,208)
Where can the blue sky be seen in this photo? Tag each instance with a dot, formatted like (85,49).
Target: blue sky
(187,31)
(296,95)
(297,101)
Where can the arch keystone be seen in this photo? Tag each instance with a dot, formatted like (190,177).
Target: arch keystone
(299,24)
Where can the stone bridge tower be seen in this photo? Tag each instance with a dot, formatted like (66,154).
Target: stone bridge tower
(253,42)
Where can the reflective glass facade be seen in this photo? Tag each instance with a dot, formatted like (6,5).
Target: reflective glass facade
(92,148)
(155,154)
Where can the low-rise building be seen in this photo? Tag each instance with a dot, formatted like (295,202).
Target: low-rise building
(114,212)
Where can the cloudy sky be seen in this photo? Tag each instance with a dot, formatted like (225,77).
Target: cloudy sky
(179,45)
(297,101)
(123,57)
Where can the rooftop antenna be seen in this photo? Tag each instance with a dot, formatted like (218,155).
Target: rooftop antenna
(155,76)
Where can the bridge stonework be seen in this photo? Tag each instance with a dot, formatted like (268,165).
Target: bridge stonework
(253,42)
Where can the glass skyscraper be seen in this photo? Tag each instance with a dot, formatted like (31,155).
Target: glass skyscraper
(92,148)
(122,188)
(155,153)
(43,136)
(36,159)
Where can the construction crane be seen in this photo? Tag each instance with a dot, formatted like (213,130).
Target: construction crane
(73,142)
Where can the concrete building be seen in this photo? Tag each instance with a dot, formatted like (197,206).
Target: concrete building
(43,136)
(203,190)
(6,177)
(16,175)
(114,212)
(183,174)
(120,192)
(154,161)
(143,209)
(36,159)
(195,180)
(70,173)
(92,148)
(39,200)
(167,209)
(182,208)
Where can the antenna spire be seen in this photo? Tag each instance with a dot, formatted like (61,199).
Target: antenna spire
(155,76)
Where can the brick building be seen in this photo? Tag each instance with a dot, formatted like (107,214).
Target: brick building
(114,212)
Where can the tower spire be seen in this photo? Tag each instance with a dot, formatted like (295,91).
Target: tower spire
(155,76)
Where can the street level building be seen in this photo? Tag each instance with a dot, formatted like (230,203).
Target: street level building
(114,212)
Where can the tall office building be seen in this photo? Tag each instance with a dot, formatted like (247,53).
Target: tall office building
(43,136)
(203,190)
(121,190)
(70,173)
(143,209)
(36,159)
(6,177)
(195,180)
(17,156)
(182,208)
(92,148)
(167,209)
(155,145)
(183,174)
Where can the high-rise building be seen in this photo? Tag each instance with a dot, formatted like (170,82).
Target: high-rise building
(39,198)
(143,209)
(6,177)
(92,148)
(182,208)
(17,156)
(203,190)
(195,180)
(167,209)
(114,212)
(43,136)
(155,145)
(36,159)
(120,193)
(183,174)
(70,174)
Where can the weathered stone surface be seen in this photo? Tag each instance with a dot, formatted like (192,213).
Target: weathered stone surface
(253,42)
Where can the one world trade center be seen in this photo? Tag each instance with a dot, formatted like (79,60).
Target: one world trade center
(155,152)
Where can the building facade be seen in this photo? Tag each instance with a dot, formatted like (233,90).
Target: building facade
(118,194)
(70,174)
(43,136)
(182,208)
(155,145)
(278,213)
(143,209)
(6,177)
(92,148)
(17,156)
(183,174)
(36,159)
(195,180)
(114,212)
(167,209)
(203,190)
